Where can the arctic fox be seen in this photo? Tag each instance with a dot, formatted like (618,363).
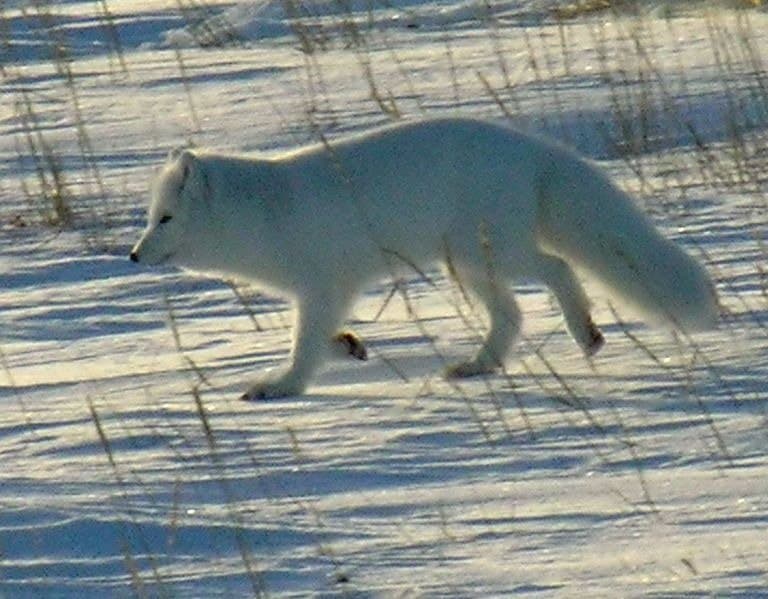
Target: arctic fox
(490,202)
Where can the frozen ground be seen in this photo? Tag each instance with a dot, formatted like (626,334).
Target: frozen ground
(129,468)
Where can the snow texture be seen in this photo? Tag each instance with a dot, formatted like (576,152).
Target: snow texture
(130,468)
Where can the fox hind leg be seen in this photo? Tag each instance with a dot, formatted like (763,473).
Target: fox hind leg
(561,279)
(505,318)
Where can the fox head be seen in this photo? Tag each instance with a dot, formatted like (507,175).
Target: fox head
(169,232)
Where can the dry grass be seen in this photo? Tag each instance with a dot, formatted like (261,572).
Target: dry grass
(630,56)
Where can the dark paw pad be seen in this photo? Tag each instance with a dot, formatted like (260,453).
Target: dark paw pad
(352,345)
(596,339)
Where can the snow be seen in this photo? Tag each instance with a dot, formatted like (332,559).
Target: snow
(129,467)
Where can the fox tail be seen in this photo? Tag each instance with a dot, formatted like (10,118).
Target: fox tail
(587,220)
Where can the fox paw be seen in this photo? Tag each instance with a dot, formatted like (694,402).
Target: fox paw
(273,388)
(467,369)
(347,343)
(596,340)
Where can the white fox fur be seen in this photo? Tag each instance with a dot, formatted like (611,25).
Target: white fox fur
(322,222)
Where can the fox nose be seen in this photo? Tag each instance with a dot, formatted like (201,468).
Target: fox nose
(134,257)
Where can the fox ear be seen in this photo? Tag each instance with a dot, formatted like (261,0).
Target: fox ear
(184,161)
(174,154)
(193,174)
(187,162)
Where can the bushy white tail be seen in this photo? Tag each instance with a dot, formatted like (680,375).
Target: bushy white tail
(587,220)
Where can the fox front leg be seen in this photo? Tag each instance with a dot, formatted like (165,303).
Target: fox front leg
(318,318)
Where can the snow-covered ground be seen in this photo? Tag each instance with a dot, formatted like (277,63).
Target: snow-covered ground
(129,467)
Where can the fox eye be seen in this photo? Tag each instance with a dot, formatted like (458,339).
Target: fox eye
(165,219)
